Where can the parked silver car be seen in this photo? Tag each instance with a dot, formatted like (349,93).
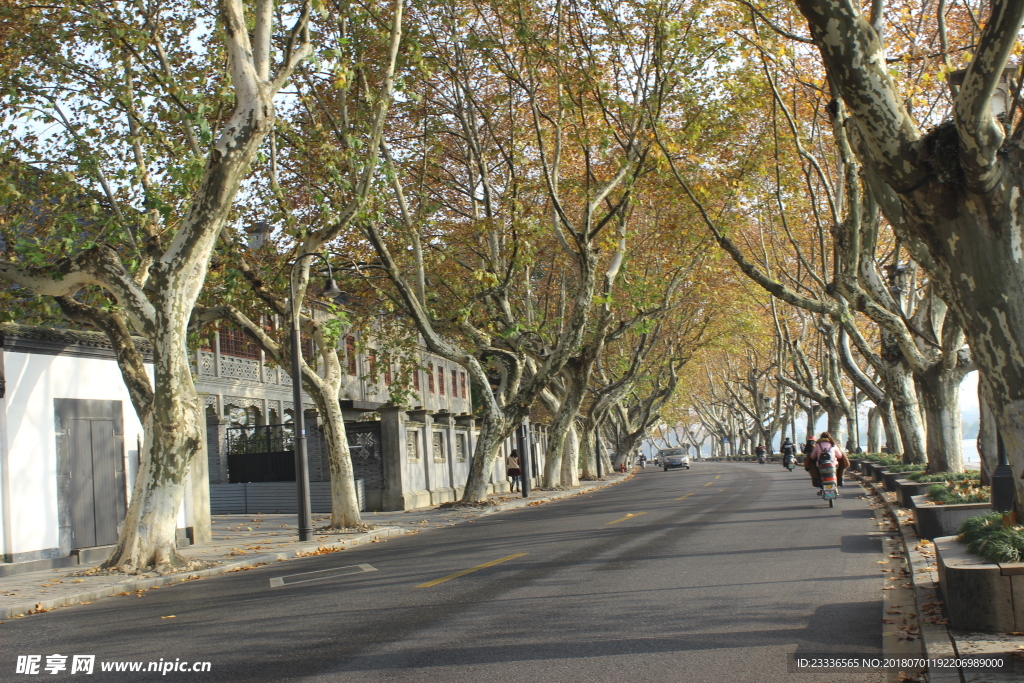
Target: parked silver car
(671,458)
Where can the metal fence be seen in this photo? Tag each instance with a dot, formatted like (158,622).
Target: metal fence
(259,439)
(260,453)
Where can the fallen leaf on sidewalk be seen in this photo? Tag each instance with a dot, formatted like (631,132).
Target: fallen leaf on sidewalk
(172,616)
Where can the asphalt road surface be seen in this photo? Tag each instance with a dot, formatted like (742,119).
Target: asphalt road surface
(718,573)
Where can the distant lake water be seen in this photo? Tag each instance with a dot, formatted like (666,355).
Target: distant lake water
(972,460)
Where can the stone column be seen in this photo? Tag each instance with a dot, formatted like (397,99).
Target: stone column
(469,422)
(392,451)
(197,505)
(217,459)
(426,447)
(315,447)
(447,486)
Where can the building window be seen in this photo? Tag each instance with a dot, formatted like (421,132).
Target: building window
(412,445)
(438,446)
(387,374)
(430,377)
(416,379)
(440,380)
(350,352)
(371,358)
(460,448)
(462,383)
(455,384)
(235,342)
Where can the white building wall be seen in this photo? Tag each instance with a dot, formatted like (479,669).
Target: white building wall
(29,507)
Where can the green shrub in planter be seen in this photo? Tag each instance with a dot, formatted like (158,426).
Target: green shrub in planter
(959,492)
(926,477)
(987,537)
(890,460)
(906,469)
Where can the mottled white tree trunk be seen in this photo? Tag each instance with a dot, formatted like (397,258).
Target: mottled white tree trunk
(589,454)
(874,430)
(493,432)
(940,396)
(988,435)
(344,499)
(565,418)
(172,437)
(571,458)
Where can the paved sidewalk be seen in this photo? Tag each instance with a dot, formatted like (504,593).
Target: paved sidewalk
(939,640)
(241,542)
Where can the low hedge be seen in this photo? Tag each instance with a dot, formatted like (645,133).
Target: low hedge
(927,477)
(871,457)
(907,469)
(988,537)
(887,460)
(959,492)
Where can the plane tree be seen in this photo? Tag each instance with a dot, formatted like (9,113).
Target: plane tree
(336,125)
(160,110)
(520,154)
(950,192)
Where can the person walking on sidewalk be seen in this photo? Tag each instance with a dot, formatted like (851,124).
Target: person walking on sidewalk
(513,469)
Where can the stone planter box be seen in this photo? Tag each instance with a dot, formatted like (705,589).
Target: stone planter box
(872,469)
(855,464)
(905,489)
(891,478)
(935,521)
(979,596)
(878,474)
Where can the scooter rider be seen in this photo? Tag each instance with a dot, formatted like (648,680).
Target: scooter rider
(788,454)
(826,443)
(761,452)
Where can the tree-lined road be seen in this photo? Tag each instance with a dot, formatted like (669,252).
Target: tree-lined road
(718,573)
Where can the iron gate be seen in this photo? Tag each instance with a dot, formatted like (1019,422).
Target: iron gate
(260,453)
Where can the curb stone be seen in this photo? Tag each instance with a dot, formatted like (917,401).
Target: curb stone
(129,585)
(924,575)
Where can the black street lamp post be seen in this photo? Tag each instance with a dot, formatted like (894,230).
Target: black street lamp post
(1002,480)
(298,417)
(525,463)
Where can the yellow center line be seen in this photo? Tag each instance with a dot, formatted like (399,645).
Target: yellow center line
(456,575)
(631,515)
(709,483)
(686,496)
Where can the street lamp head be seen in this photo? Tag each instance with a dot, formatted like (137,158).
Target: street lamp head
(330,289)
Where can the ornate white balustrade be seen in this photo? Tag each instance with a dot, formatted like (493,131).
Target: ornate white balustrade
(207,364)
(240,368)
